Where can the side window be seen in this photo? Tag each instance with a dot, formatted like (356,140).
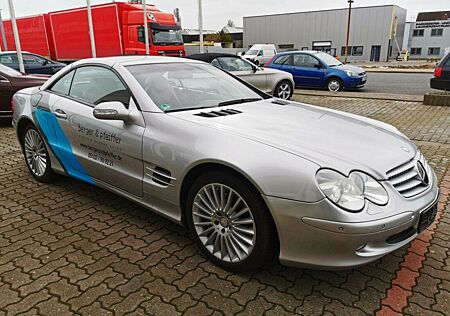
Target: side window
(282,60)
(234,64)
(306,61)
(260,53)
(141,34)
(6,60)
(32,59)
(95,85)
(62,86)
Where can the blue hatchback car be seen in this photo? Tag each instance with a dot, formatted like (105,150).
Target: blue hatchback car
(318,69)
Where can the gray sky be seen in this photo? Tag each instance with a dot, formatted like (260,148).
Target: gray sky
(217,12)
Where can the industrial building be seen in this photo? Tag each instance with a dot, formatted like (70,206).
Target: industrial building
(428,37)
(376,32)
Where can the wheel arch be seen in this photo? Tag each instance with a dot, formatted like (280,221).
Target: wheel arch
(334,76)
(20,129)
(205,167)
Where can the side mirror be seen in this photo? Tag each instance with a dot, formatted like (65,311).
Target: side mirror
(254,68)
(318,66)
(45,62)
(111,111)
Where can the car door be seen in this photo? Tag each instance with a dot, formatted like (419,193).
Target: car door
(307,70)
(6,93)
(109,151)
(244,70)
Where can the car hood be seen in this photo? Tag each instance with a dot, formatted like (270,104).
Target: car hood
(350,67)
(332,139)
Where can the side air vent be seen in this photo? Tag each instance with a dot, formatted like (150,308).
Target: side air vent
(160,176)
(218,113)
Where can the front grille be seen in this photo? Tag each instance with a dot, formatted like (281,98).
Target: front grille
(406,178)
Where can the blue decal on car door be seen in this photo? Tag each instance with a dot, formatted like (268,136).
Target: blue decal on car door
(60,145)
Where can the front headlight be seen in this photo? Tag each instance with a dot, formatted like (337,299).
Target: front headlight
(351,73)
(351,192)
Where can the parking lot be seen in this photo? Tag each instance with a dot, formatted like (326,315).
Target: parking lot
(72,248)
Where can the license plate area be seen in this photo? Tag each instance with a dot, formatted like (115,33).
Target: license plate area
(427,218)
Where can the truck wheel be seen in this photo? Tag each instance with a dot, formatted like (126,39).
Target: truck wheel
(36,155)
(230,222)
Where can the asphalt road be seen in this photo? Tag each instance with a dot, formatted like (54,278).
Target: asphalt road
(398,83)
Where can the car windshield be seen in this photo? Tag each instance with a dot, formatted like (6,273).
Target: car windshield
(329,60)
(252,52)
(187,86)
(167,37)
(9,71)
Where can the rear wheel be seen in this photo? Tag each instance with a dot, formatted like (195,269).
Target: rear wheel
(335,84)
(230,222)
(284,90)
(36,154)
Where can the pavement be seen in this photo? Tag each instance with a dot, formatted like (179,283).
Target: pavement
(359,94)
(70,248)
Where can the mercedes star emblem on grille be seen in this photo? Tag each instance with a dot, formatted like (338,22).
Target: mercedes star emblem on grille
(421,173)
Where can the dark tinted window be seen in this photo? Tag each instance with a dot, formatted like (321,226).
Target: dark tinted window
(418,32)
(33,59)
(416,51)
(357,50)
(62,86)
(434,51)
(8,59)
(95,85)
(437,32)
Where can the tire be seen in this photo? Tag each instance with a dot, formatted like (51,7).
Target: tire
(335,84)
(284,90)
(36,155)
(236,236)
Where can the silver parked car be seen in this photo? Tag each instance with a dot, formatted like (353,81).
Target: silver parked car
(251,176)
(275,82)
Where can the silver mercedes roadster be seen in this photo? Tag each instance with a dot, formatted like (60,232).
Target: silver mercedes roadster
(251,176)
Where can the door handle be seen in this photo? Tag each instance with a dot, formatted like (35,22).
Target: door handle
(60,114)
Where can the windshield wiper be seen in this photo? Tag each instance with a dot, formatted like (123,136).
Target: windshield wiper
(238,101)
(190,108)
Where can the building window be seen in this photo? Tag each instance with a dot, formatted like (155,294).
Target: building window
(286,46)
(416,51)
(418,32)
(357,51)
(343,50)
(434,51)
(437,32)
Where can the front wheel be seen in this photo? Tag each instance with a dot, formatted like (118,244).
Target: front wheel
(284,90)
(230,222)
(334,85)
(36,155)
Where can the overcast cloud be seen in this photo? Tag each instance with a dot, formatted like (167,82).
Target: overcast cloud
(217,12)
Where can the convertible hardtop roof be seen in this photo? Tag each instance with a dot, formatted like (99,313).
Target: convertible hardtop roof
(209,57)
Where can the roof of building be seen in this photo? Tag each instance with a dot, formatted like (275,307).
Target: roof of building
(433,16)
(197,32)
(233,29)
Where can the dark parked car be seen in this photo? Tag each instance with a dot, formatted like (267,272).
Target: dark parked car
(319,70)
(12,81)
(34,64)
(441,79)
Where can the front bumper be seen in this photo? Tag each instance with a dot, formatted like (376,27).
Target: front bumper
(356,82)
(320,235)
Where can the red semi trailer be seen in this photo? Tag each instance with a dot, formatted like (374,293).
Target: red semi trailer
(118,30)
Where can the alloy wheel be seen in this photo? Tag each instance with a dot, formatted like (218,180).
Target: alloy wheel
(224,223)
(334,85)
(284,91)
(35,152)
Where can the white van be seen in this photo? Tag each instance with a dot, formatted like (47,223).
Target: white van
(260,54)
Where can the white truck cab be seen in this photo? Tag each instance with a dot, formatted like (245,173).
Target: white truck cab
(261,53)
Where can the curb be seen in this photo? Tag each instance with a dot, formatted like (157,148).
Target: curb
(362,95)
(399,71)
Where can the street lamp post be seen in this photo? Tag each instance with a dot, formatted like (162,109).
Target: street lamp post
(91,28)
(348,28)
(147,41)
(200,26)
(2,30)
(16,35)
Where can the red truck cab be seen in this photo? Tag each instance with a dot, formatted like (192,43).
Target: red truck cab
(118,30)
